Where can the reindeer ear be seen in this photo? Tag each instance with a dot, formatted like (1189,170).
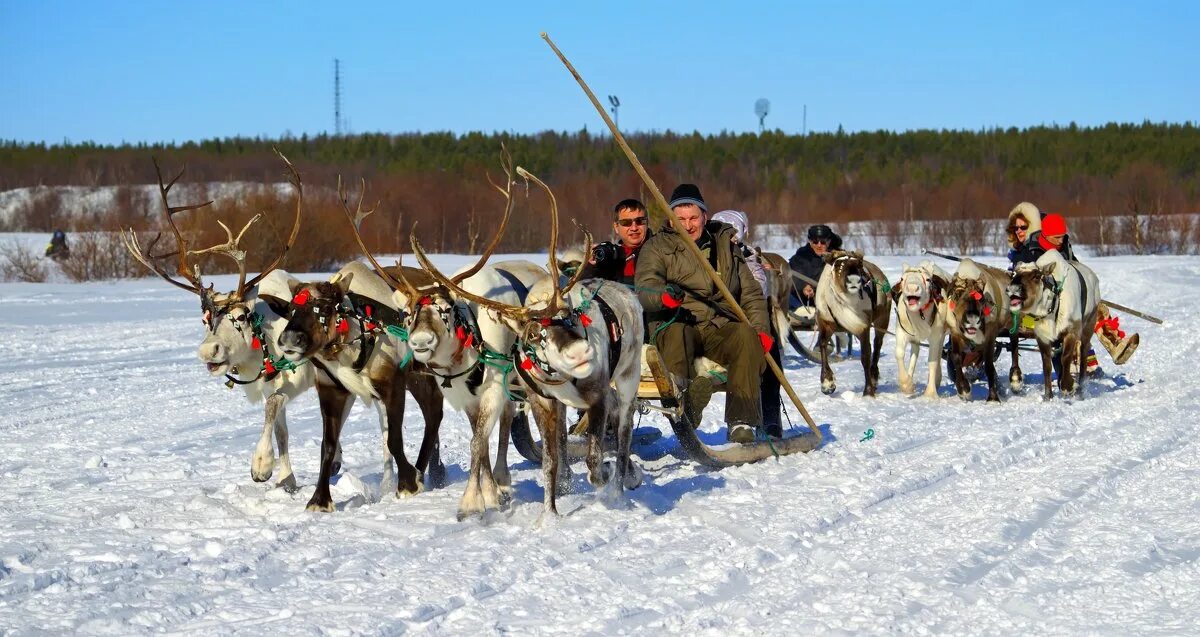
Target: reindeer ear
(896,291)
(1048,269)
(939,283)
(828,258)
(281,307)
(342,281)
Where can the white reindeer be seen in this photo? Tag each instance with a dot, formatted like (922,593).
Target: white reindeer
(920,318)
(1062,297)
(578,345)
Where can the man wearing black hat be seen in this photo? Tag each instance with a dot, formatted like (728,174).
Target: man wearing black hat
(687,317)
(809,260)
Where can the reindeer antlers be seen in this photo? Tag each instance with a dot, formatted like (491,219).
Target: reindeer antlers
(506,192)
(356,218)
(230,248)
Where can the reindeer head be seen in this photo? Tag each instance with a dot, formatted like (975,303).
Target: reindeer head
(230,341)
(313,313)
(972,306)
(1032,289)
(920,286)
(850,272)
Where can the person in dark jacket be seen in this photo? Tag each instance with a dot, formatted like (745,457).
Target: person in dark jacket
(809,260)
(617,261)
(58,249)
(688,317)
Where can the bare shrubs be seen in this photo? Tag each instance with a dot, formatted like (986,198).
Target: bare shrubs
(98,256)
(19,262)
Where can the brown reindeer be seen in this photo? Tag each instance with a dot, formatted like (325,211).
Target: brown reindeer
(341,326)
(973,320)
(851,295)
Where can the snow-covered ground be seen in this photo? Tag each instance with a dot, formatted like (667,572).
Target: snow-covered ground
(128,506)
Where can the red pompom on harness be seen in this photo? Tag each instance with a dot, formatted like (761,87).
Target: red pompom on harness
(976,295)
(301,298)
(987,310)
(255,343)
(425,300)
(545,322)
(585,319)
(268,366)
(526,364)
(343,326)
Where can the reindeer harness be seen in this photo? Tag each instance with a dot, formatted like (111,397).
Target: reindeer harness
(532,361)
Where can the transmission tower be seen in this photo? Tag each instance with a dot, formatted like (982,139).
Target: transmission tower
(616,103)
(337,96)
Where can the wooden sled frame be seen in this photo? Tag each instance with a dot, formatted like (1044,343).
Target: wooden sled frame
(658,393)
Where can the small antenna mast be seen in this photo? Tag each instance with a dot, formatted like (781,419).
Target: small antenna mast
(762,108)
(616,103)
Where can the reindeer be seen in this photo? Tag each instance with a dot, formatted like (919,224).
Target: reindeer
(578,345)
(1063,298)
(350,331)
(849,297)
(240,327)
(467,350)
(920,318)
(974,321)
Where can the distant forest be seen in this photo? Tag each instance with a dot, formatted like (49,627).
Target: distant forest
(1101,175)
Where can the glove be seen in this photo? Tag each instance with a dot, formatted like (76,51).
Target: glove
(672,296)
(767,342)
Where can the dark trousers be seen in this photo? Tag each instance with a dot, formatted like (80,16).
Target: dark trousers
(734,345)
(771,388)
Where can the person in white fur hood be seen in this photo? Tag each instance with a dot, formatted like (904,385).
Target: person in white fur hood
(741,224)
(769,386)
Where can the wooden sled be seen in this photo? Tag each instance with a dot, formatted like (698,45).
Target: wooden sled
(657,393)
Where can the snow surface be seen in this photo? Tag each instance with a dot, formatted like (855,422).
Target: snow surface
(128,506)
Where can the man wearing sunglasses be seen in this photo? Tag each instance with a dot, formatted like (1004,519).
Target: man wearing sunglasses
(809,260)
(618,261)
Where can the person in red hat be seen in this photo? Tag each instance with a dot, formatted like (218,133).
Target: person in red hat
(1053,236)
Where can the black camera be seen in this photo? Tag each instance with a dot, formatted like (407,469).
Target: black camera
(607,252)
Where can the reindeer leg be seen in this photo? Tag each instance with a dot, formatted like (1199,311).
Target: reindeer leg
(632,475)
(936,339)
(262,463)
(472,499)
(903,372)
(409,481)
(387,482)
(1070,356)
(1085,345)
(824,333)
(875,349)
(989,367)
(1016,379)
(500,472)
(956,362)
(597,422)
(335,402)
(1047,375)
(544,415)
(864,355)
(287,479)
(429,398)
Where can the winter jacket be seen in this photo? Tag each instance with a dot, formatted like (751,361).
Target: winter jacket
(614,269)
(1029,251)
(665,259)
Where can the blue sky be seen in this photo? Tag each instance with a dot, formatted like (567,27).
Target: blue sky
(175,71)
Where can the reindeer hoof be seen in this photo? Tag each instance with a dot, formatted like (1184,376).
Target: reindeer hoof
(828,389)
(633,477)
(408,491)
(964,396)
(437,476)
(288,484)
(993,398)
(316,507)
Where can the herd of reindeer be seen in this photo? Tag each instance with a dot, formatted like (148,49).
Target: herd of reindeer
(496,337)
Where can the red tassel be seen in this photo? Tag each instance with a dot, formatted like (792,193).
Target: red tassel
(342,326)
(268,366)
(370,326)
(368,311)
(301,298)
(470,340)
(460,334)
(585,319)
(976,295)
(987,311)
(952,305)
(255,343)
(545,322)
(425,300)
(526,364)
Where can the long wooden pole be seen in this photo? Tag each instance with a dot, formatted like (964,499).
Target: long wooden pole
(692,247)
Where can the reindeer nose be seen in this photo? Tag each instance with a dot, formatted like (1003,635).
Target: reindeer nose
(422,340)
(211,352)
(294,340)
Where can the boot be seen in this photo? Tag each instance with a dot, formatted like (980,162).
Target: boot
(695,399)
(1121,349)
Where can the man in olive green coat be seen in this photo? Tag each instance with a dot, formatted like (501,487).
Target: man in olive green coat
(687,317)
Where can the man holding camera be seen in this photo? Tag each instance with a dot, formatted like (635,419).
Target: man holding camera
(618,261)
(687,316)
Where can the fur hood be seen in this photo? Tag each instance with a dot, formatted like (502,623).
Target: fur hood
(1030,214)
